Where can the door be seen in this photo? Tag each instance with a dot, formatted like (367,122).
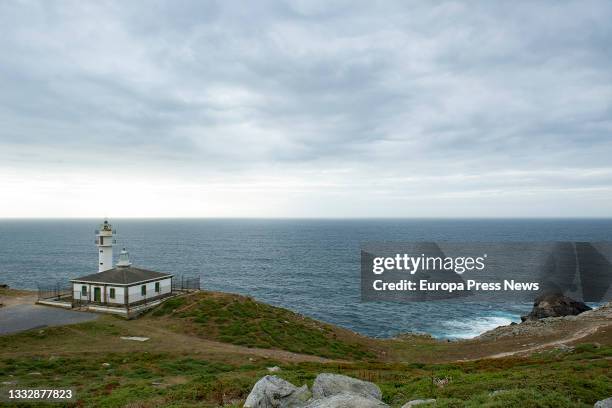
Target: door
(97,297)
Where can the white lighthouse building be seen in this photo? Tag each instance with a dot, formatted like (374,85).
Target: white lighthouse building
(105,240)
(123,288)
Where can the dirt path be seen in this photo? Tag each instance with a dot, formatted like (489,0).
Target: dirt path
(13,298)
(578,335)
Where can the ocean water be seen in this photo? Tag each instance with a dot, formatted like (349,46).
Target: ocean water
(309,266)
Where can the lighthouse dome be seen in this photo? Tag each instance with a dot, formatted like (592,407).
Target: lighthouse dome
(105,229)
(124,259)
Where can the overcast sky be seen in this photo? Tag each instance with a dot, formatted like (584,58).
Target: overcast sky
(305,109)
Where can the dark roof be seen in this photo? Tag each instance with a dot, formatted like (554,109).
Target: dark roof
(123,276)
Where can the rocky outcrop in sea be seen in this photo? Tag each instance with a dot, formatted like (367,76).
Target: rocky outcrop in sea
(555,305)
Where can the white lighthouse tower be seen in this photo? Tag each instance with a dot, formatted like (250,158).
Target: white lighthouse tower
(104,241)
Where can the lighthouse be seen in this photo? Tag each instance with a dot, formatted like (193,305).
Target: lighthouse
(104,241)
(121,289)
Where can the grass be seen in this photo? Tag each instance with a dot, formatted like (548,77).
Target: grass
(242,321)
(573,379)
(180,367)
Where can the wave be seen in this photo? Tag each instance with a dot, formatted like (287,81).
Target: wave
(470,328)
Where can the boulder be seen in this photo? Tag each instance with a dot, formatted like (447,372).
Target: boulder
(274,392)
(345,400)
(326,385)
(607,403)
(414,403)
(555,305)
(564,348)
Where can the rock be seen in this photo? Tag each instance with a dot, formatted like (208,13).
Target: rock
(442,382)
(346,400)
(555,305)
(326,385)
(274,369)
(604,311)
(134,338)
(105,365)
(413,335)
(274,392)
(414,403)
(607,403)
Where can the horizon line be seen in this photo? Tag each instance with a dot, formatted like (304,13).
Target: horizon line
(320,218)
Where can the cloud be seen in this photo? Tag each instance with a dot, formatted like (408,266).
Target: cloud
(314,105)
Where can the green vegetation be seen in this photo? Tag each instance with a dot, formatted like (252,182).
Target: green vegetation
(187,361)
(242,321)
(571,379)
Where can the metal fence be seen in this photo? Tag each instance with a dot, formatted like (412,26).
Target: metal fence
(55,291)
(185,283)
(80,299)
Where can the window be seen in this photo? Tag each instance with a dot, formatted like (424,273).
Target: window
(143,290)
(84,290)
(112,293)
(156,286)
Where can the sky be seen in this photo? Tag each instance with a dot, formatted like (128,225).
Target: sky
(305,109)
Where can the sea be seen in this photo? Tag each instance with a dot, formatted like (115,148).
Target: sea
(310,266)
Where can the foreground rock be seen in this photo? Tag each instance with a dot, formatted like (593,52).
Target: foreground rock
(555,305)
(326,385)
(414,403)
(607,403)
(274,392)
(328,391)
(346,400)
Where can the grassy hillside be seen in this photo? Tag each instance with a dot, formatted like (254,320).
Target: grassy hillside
(208,349)
(242,321)
(575,379)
